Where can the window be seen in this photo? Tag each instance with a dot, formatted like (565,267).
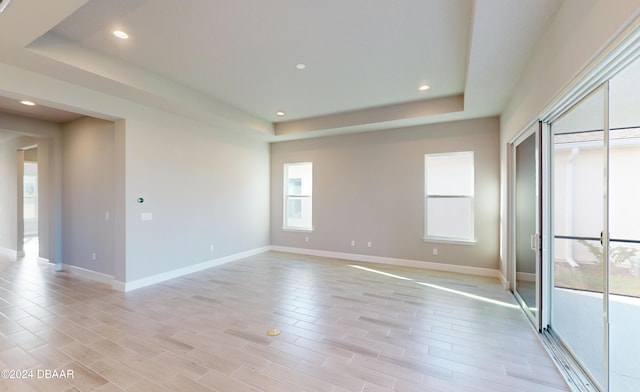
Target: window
(298,185)
(449,187)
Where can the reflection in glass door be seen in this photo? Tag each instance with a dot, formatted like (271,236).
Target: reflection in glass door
(579,216)
(527,223)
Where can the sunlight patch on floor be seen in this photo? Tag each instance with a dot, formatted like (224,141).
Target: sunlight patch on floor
(437,287)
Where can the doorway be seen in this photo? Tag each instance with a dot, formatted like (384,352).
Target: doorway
(28,203)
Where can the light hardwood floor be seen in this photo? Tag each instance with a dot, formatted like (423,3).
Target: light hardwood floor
(342,329)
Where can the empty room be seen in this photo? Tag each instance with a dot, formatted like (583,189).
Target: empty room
(425,195)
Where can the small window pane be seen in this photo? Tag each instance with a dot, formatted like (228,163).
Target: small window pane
(450,218)
(294,209)
(300,179)
(295,186)
(450,174)
(299,213)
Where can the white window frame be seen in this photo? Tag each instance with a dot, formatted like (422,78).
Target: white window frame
(286,196)
(468,240)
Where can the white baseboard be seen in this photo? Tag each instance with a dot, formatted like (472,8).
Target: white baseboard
(9,252)
(143,282)
(504,281)
(139,283)
(119,285)
(461,269)
(85,273)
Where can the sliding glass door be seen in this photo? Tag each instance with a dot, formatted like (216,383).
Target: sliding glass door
(526,151)
(624,229)
(579,218)
(595,295)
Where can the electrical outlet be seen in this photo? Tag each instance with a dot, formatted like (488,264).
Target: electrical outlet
(93,256)
(369,244)
(353,242)
(306,238)
(435,251)
(212,248)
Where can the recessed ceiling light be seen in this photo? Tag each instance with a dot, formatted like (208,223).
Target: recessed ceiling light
(280,113)
(424,87)
(28,103)
(121,34)
(301,66)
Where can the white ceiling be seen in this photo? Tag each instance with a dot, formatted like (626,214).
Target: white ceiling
(365,58)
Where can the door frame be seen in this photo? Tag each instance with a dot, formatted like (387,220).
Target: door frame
(20,202)
(533,129)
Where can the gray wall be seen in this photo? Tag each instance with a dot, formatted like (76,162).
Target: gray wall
(88,194)
(8,194)
(370,187)
(203,186)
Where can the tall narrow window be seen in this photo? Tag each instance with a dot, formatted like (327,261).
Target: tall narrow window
(449,187)
(298,185)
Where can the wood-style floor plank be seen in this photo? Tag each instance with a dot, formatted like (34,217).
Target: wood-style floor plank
(342,328)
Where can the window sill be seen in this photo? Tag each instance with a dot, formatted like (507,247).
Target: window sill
(297,229)
(449,241)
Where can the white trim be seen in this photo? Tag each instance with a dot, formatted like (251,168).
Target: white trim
(158,278)
(298,229)
(89,274)
(164,276)
(503,280)
(450,240)
(119,285)
(461,269)
(9,252)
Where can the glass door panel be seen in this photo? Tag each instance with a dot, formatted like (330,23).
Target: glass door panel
(578,216)
(624,230)
(526,206)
